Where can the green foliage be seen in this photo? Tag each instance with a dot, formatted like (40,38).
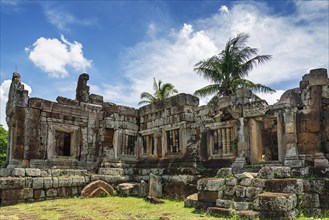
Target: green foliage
(228,69)
(161,92)
(3,144)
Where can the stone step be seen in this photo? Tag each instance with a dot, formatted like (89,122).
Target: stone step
(216,211)
(275,202)
(284,185)
(248,214)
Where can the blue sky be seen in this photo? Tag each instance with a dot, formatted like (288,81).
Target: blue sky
(122,45)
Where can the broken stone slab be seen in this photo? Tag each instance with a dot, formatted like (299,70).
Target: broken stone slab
(210,184)
(129,189)
(277,202)
(155,186)
(191,201)
(96,189)
(153,200)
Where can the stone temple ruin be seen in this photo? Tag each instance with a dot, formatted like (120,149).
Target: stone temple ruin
(56,148)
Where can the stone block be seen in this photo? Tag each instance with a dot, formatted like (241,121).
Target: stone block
(248,214)
(37,183)
(64,181)
(97,188)
(312,212)
(12,183)
(224,203)
(51,192)
(229,190)
(274,172)
(240,191)
(210,184)
(28,182)
(39,194)
(277,202)
(4,172)
(285,185)
(110,171)
(252,192)
(324,200)
(246,181)
(208,196)
(224,172)
(78,181)
(241,205)
(216,211)
(32,172)
(231,181)
(18,172)
(63,192)
(315,186)
(143,189)
(128,189)
(47,182)
(292,214)
(12,194)
(310,200)
(55,182)
(191,201)
(28,193)
(259,182)
(155,185)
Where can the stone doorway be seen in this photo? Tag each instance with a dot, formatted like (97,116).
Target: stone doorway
(63,143)
(270,140)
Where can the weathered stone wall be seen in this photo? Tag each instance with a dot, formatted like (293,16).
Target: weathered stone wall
(271,193)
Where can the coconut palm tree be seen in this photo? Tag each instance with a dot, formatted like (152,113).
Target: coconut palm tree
(161,92)
(228,69)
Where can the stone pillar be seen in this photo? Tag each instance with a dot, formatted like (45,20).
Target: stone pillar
(291,158)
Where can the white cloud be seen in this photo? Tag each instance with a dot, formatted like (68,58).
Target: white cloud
(4,90)
(223,9)
(296,48)
(54,56)
(62,20)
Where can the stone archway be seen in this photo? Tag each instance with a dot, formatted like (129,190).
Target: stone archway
(97,188)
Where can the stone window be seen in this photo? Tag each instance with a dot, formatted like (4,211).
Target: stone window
(223,141)
(129,144)
(173,141)
(148,145)
(108,138)
(63,143)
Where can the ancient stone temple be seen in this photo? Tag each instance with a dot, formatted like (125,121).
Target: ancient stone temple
(89,133)
(146,150)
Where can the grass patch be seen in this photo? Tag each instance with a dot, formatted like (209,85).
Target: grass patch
(101,208)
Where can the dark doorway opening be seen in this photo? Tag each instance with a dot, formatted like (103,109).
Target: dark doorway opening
(63,143)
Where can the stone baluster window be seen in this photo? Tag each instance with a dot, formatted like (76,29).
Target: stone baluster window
(148,145)
(129,144)
(173,141)
(222,140)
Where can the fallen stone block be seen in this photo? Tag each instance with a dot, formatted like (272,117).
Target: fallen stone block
(208,196)
(97,188)
(191,201)
(128,189)
(248,214)
(224,203)
(224,173)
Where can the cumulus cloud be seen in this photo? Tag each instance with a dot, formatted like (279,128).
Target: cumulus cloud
(54,56)
(4,90)
(296,48)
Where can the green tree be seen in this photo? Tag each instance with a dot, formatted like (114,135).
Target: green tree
(228,69)
(161,92)
(3,144)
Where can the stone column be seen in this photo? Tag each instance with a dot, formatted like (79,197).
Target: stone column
(291,158)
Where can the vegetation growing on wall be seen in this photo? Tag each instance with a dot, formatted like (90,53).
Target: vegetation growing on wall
(3,144)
